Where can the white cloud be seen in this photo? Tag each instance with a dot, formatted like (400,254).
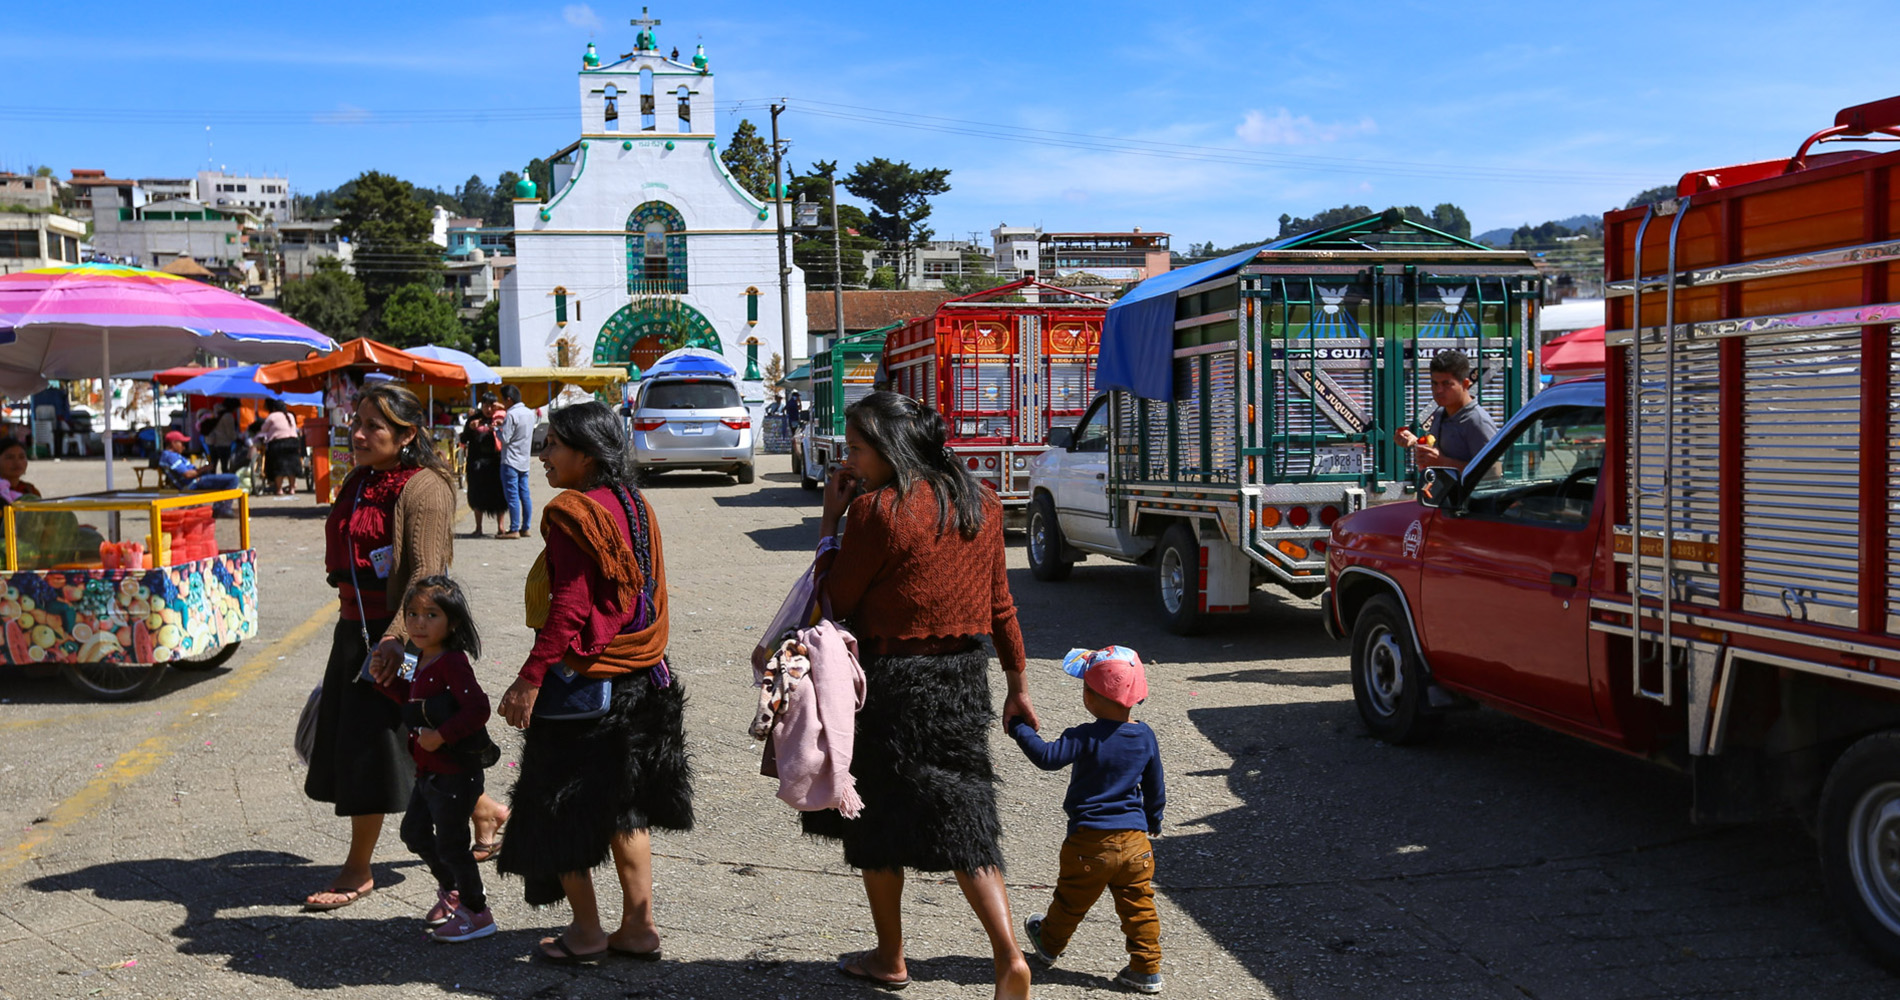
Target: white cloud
(1284,128)
(581,15)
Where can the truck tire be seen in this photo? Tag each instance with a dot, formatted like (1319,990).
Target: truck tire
(1860,842)
(1388,681)
(1047,548)
(1178,581)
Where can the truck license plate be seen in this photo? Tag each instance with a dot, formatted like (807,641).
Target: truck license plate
(1339,461)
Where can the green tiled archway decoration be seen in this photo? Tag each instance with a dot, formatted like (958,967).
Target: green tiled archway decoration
(667,321)
(641,281)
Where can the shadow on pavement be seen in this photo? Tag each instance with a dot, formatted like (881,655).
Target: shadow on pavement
(241,906)
(800,537)
(775,495)
(1501,853)
(44,686)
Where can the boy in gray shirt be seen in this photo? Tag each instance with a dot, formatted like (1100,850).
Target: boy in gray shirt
(1459,428)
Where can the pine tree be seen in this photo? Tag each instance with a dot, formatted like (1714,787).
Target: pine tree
(750,159)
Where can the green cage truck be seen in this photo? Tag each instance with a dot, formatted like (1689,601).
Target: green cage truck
(841,374)
(1250,401)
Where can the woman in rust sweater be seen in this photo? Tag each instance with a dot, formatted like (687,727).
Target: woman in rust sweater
(595,774)
(919,577)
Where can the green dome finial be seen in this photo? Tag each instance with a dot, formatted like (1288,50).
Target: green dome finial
(524,187)
(699,59)
(592,59)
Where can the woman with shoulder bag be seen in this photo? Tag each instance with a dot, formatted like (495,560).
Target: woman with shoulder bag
(605,754)
(391,525)
(918,576)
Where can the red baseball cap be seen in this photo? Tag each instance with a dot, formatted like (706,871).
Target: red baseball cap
(1114,673)
(171,436)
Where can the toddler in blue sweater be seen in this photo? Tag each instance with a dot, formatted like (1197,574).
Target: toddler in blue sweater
(1114,804)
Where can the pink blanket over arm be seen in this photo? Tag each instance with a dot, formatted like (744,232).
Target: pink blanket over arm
(814,732)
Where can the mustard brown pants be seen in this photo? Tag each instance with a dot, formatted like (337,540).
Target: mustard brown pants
(1123,862)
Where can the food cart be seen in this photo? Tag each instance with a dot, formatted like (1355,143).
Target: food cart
(541,386)
(111,616)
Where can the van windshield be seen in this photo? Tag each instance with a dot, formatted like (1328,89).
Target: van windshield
(688,394)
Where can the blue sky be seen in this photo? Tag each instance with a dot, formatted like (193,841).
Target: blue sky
(1518,112)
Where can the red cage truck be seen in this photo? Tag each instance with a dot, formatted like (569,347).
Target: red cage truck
(1691,559)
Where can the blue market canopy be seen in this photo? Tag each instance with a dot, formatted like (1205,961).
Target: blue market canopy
(1138,337)
(692,361)
(241,383)
(478,372)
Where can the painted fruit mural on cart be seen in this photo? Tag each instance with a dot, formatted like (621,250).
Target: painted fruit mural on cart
(129,615)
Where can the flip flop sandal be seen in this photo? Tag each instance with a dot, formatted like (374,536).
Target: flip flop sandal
(846,961)
(638,956)
(487,851)
(349,896)
(568,956)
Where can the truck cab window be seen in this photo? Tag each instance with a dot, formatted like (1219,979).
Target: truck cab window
(1092,433)
(1545,472)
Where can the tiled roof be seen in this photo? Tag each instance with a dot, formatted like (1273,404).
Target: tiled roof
(868,310)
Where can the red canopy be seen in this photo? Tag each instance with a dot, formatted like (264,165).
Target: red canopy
(365,355)
(1575,352)
(174,376)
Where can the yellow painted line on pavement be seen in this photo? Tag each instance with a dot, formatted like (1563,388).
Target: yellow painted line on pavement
(144,758)
(18,724)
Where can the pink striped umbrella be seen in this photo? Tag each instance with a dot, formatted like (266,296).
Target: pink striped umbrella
(93,320)
(97,320)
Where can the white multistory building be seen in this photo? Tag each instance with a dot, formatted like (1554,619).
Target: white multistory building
(645,240)
(266,197)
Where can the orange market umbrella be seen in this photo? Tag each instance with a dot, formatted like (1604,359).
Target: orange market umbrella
(1574,352)
(365,355)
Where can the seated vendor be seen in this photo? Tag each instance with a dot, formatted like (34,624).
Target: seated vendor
(13,484)
(186,476)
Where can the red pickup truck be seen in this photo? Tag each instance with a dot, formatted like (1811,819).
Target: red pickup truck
(1692,559)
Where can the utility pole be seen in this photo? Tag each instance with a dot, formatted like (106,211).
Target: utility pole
(784,269)
(837,262)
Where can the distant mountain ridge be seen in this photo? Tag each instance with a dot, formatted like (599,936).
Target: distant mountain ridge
(1577,224)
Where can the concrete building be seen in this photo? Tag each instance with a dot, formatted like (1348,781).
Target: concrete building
(38,239)
(1121,256)
(645,239)
(150,234)
(266,197)
(1018,251)
(466,235)
(302,244)
(168,188)
(87,186)
(924,268)
(33,192)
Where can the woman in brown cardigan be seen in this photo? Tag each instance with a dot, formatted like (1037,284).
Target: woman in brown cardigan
(393,522)
(919,576)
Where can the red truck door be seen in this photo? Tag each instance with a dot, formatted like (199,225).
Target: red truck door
(1504,586)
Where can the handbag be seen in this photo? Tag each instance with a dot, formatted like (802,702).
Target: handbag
(305,740)
(568,695)
(476,751)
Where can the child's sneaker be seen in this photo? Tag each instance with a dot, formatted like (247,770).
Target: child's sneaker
(1032,929)
(446,903)
(1140,982)
(465,926)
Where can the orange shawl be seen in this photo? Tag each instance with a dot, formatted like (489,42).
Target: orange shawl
(594,530)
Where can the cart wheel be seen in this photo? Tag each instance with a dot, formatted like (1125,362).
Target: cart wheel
(215,658)
(114,681)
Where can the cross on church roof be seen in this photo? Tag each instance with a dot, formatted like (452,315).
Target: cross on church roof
(643,21)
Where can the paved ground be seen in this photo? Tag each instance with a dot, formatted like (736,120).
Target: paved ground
(158,849)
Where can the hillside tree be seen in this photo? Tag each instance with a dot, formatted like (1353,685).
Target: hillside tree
(749,158)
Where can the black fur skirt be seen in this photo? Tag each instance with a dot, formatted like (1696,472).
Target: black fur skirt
(921,758)
(584,781)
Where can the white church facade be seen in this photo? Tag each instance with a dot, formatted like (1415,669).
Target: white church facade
(646,241)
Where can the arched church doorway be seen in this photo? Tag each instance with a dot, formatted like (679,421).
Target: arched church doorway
(642,332)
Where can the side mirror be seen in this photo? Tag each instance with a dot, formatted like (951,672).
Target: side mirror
(1440,488)
(1061,437)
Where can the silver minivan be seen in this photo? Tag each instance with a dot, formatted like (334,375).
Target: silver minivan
(692,422)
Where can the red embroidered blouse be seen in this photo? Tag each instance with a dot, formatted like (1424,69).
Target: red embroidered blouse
(367,514)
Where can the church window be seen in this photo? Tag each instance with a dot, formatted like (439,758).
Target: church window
(612,117)
(752,306)
(686,109)
(648,122)
(560,306)
(656,250)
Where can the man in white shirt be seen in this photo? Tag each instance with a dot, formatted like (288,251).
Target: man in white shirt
(517,445)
